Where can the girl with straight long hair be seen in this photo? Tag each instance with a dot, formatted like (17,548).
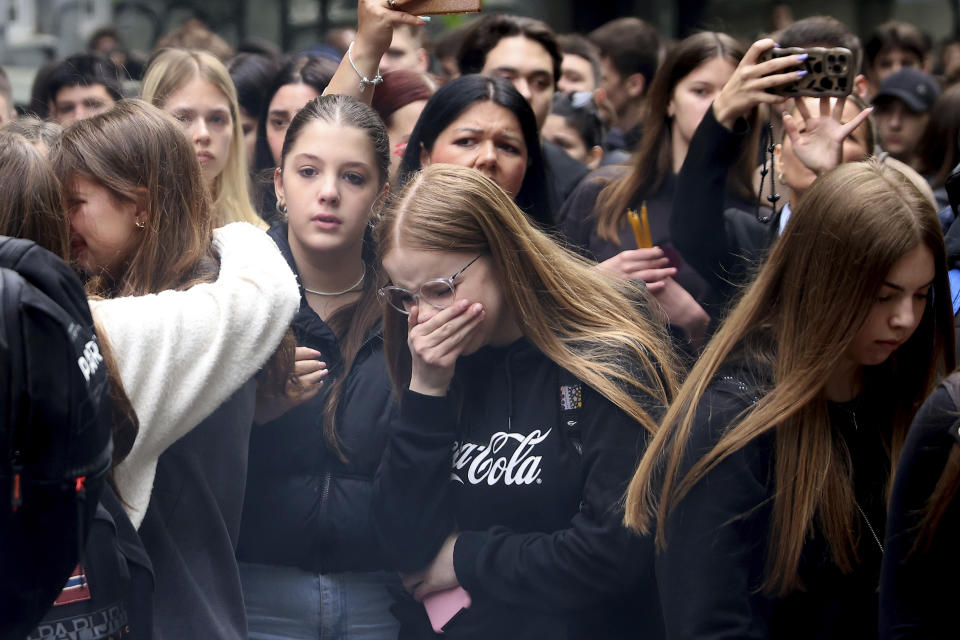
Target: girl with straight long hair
(195,88)
(545,379)
(307,536)
(189,334)
(595,215)
(765,485)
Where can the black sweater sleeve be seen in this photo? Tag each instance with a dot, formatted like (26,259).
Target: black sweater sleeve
(412,503)
(709,573)
(698,226)
(592,559)
(919,591)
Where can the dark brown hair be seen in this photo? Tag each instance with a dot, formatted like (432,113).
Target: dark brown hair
(652,162)
(352,323)
(484,34)
(631,45)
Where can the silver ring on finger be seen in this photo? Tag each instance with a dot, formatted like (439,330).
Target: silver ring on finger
(391,4)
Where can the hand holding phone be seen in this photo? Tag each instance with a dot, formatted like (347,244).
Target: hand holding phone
(830,72)
(439,7)
(442,606)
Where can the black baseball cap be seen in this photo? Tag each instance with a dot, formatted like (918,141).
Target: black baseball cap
(917,90)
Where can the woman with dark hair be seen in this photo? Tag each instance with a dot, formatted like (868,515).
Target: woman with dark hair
(251,74)
(725,239)
(299,80)
(574,125)
(307,537)
(399,101)
(484,123)
(595,217)
(766,484)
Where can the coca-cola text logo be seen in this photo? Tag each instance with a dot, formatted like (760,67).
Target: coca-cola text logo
(484,465)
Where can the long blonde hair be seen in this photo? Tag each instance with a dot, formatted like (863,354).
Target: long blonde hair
(167,73)
(800,315)
(582,320)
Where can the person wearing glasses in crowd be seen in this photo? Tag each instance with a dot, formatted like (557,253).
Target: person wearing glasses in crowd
(545,378)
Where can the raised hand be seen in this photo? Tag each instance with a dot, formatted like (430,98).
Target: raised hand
(375,22)
(748,85)
(436,343)
(820,145)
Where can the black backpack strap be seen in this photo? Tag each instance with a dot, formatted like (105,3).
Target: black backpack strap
(571,404)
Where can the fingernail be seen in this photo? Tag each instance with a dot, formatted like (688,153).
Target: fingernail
(426,18)
(477,308)
(800,74)
(462,304)
(803,56)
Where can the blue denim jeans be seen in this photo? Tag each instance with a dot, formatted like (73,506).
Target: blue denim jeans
(286,603)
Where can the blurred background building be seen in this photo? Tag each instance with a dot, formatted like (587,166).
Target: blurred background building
(33,32)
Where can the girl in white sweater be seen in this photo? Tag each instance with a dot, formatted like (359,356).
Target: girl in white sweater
(187,346)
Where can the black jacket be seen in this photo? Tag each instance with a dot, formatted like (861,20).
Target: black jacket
(541,547)
(710,573)
(718,235)
(579,224)
(563,173)
(919,591)
(304,506)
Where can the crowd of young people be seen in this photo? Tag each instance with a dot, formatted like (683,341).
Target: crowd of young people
(389,358)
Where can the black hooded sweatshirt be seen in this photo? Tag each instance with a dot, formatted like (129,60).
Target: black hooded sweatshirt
(711,571)
(541,548)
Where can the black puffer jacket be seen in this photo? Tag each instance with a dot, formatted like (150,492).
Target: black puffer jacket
(304,506)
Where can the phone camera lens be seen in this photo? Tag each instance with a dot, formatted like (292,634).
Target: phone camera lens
(831,58)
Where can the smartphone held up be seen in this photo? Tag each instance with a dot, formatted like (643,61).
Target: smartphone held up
(830,72)
(440,7)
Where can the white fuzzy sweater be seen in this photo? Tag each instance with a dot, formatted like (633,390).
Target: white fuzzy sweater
(181,354)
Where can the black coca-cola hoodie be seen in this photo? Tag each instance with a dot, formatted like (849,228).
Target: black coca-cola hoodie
(541,548)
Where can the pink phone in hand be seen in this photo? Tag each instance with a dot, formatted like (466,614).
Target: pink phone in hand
(441,606)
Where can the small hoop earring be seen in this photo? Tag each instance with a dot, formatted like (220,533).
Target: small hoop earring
(140,224)
(281,208)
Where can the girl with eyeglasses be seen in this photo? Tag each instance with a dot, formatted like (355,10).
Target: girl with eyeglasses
(307,537)
(543,378)
(766,484)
